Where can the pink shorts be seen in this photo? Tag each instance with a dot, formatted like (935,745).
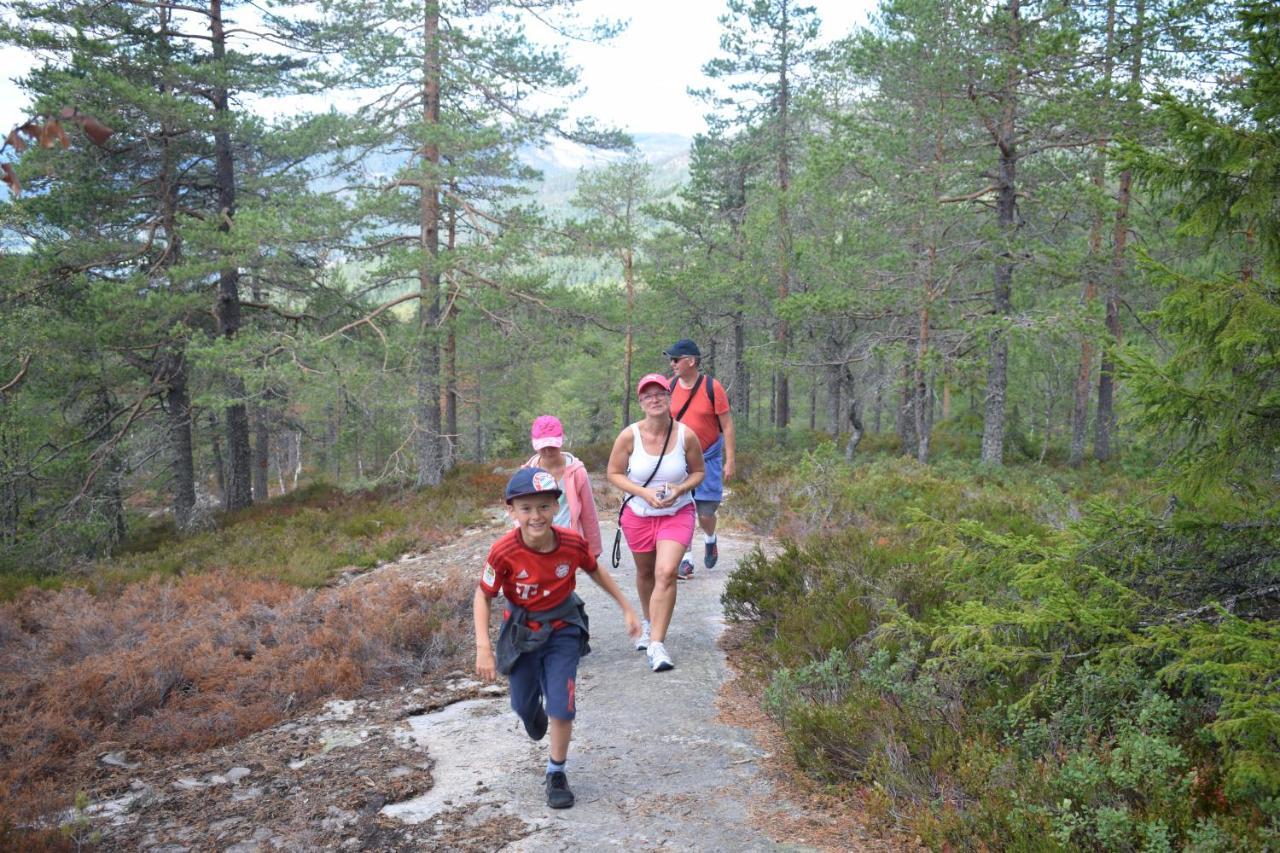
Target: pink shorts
(644,531)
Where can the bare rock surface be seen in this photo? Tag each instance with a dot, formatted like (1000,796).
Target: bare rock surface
(446,765)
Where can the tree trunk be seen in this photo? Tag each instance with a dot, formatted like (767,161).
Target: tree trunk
(177,404)
(905,422)
(261,453)
(782,404)
(1084,373)
(993,419)
(628,278)
(238,493)
(219,465)
(1104,425)
(430,458)
(835,395)
(923,407)
(855,430)
(452,437)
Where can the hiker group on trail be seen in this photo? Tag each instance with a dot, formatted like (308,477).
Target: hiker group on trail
(671,466)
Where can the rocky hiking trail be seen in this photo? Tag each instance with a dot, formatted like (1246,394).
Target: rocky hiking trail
(678,760)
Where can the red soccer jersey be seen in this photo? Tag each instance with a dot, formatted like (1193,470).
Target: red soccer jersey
(699,416)
(531,579)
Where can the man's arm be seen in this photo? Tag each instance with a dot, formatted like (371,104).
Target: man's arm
(481,611)
(730,444)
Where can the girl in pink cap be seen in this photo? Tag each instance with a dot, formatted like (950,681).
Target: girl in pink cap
(577,504)
(657,462)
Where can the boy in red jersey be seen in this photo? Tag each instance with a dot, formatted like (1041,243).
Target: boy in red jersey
(534,567)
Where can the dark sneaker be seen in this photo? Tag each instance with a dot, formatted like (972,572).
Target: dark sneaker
(558,794)
(684,571)
(711,556)
(537,727)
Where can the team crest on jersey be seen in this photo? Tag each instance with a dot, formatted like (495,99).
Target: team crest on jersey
(543,482)
(523,574)
(489,575)
(562,570)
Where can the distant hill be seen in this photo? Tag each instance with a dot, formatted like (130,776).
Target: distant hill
(560,162)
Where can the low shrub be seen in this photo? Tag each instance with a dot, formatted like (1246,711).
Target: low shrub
(1021,658)
(198,661)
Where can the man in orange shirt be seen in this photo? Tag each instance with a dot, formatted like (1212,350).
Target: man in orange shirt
(700,402)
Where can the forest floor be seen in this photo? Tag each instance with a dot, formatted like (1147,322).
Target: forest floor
(677,760)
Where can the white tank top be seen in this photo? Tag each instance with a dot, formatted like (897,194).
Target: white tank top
(673,470)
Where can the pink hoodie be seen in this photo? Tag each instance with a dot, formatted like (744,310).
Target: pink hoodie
(582,503)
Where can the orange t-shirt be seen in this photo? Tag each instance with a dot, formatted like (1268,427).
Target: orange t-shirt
(699,417)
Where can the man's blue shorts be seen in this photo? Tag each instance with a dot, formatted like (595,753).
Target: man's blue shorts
(711,490)
(551,671)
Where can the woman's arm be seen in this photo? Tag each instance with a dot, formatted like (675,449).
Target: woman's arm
(587,515)
(693,460)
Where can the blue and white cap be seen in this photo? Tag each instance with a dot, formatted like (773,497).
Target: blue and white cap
(531,481)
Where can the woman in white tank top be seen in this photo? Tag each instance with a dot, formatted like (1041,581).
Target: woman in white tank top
(657,463)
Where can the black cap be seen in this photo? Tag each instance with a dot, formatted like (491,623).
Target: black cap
(683,347)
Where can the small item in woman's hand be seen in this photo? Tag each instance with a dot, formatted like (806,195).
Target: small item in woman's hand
(664,491)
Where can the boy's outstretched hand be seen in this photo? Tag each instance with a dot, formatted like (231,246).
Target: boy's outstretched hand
(486,666)
(633,623)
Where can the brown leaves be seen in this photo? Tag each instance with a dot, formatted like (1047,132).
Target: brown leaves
(97,132)
(11,178)
(46,131)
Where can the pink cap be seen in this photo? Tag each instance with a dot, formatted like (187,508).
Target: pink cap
(547,432)
(653,379)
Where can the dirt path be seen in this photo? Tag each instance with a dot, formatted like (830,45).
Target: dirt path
(651,765)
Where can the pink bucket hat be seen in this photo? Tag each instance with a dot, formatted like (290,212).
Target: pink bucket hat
(653,379)
(547,431)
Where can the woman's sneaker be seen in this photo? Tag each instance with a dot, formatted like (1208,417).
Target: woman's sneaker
(659,660)
(684,571)
(643,642)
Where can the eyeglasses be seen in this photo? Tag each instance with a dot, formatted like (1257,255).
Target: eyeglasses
(677,358)
(649,398)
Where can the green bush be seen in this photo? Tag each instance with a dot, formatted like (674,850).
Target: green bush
(1022,658)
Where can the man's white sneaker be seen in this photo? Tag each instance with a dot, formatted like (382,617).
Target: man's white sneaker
(642,642)
(659,660)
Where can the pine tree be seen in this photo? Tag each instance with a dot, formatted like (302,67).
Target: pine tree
(1217,389)
(767,49)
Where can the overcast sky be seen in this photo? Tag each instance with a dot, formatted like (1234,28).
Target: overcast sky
(637,82)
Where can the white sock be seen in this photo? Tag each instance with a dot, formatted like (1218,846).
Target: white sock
(688,555)
(711,539)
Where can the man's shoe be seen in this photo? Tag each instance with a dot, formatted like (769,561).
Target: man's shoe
(558,794)
(642,642)
(659,660)
(711,556)
(684,571)
(537,727)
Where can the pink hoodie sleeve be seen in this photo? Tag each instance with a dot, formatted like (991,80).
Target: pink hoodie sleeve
(588,519)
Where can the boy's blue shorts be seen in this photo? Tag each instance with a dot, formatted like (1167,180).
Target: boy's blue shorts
(550,671)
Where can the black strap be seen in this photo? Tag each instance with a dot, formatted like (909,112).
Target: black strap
(617,537)
(694,390)
(711,397)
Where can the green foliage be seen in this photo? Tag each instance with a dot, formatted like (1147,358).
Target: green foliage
(305,538)
(1022,683)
